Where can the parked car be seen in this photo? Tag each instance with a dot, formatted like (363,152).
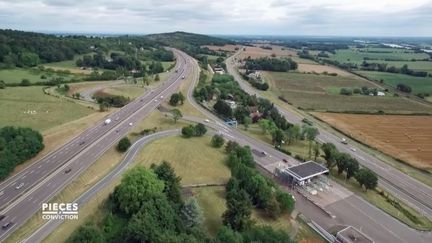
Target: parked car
(284,160)
(68,170)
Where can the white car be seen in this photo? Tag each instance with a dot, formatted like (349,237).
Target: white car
(161,97)
(19,186)
(1,193)
(207,120)
(130,124)
(353,149)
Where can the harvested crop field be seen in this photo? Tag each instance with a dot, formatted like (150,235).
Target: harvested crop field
(408,138)
(317,68)
(257,52)
(228,48)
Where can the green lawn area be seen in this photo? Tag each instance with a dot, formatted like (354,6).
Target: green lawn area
(165,65)
(379,201)
(418,84)
(16,75)
(15,102)
(193,159)
(319,93)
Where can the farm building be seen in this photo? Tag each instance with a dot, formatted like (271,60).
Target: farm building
(303,173)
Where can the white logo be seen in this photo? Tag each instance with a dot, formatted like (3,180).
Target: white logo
(59,211)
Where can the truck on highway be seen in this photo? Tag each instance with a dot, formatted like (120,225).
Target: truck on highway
(107,121)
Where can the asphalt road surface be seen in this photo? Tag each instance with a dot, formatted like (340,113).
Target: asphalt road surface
(402,186)
(349,211)
(46,177)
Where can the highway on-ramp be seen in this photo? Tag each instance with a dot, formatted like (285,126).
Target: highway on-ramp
(349,211)
(43,179)
(402,186)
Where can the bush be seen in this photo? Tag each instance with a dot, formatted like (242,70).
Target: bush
(188,131)
(346,91)
(25,82)
(123,144)
(217,141)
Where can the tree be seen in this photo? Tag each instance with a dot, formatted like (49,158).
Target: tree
(228,235)
(221,107)
(66,87)
(277,137)
(366,178)
(103,106)
(310,133)
(293,133)
(87,233)
(267,126)
(25,82)
(286,201)
(188,131)
(200,129)
(123,144)
(239,210)
(246,122)
(136,187)
(176,113)
(157,78)
(172,189)
(174,99)
(351,168)
(217,141)
(341,161)
(181,98)
(330,153)
(266,234)
(231,146)
(2,84)
(316,150)
(191,213)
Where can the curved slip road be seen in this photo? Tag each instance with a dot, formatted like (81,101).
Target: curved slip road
(46,177)
(351,210)
(413,192)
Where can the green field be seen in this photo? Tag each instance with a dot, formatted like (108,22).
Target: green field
(319,93)
(16,75)
(357,55)
(16,102)
(418,84)
(194,160)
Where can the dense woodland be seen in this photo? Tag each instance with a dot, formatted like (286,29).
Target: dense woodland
(16,146)
(270,64)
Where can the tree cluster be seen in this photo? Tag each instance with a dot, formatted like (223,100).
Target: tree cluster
(383,67)
(346,163)
(123,144)
(270,64)
(225,88)
(247,188)
(177,98)
(16,146)
(112,100)
(194,131)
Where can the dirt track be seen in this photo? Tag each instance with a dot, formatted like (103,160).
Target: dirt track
(408,138)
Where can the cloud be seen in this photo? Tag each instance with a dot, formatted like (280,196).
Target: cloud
(277,17)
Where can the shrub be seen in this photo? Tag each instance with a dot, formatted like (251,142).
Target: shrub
(123,144)
(217,141)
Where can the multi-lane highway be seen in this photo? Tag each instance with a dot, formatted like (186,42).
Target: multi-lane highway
(45,178)
(409,190)
(350,210)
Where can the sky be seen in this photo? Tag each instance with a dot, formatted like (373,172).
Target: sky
(228,17)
